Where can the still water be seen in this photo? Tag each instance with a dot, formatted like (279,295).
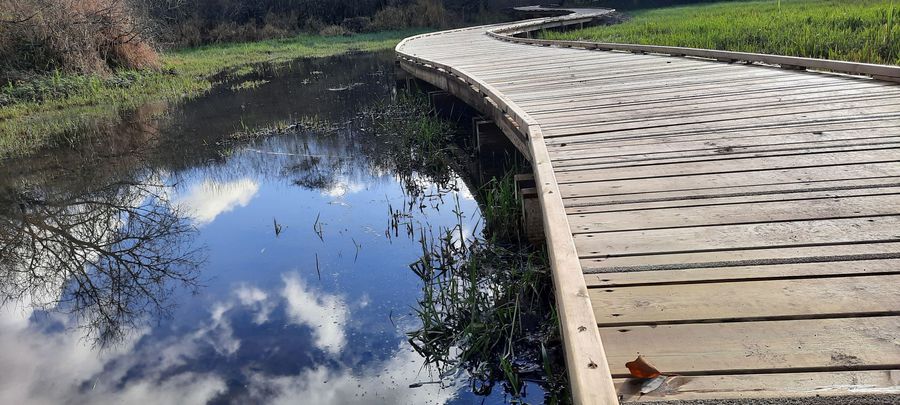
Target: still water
(161,263)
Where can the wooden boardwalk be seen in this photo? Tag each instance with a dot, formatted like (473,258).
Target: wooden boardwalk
(736,224)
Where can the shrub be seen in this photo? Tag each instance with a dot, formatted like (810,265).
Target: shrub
(83,36)
(421,13)
(313,25)
(333,31)
(428,13)
(390,18)
(357,24)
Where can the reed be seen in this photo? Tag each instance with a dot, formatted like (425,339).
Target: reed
(486,302)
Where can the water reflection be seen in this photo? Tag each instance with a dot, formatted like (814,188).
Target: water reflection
(110,233)
(108,256)
(204,201)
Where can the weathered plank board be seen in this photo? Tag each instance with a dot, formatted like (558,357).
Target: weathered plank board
(717,387)
(727,274)
(748,212)
(739,256)
(833,297)
(758,347)
(877,187)
(741,236)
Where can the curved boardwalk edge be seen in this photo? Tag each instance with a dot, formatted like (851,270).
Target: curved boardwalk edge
(590,378)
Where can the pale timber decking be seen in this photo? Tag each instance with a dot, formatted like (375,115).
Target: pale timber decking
(737,225)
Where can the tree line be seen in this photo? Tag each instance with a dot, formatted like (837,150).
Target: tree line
(91,36)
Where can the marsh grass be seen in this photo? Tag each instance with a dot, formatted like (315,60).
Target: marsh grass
(484,309)
(851,30)
(501,208)
(420,143)
(52,110)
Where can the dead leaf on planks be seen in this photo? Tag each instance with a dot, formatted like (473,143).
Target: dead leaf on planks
(640,368)
(652,378)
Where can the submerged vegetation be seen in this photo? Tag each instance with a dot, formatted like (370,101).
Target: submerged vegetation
(851,30)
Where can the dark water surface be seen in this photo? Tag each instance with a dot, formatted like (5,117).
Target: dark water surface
(270,257)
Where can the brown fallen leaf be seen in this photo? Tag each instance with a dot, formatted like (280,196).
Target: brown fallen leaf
(640,368)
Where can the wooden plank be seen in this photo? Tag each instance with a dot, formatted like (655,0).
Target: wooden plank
(781,385)
(686,78)
(737,213)
(602,123)
(719,144)
(659,95)
(706,139)
(670,170)
(762,272)
(799,196)
(714,81)
(703,185)
(586,68)
(832,297)
(603,264)
(725,154)
(620,75)
(691,106)
(758,347)
(744,236)
(575,65)
(515,88)
(737,122)
(588,140)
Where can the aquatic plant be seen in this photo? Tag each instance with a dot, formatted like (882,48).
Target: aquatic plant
(419,142)
(501,208)
(484,309)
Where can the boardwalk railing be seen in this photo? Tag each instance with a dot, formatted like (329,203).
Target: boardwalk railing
(507,33)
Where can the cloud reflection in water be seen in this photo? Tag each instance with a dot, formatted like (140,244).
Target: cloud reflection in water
(48,365)
(208,199)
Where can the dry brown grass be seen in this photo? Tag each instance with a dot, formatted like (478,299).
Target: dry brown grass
(79,36)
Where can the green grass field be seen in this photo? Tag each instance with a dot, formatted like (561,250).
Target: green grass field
(53,109)
(851,30)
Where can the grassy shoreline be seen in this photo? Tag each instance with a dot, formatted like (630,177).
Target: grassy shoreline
(51,110)
(852,30)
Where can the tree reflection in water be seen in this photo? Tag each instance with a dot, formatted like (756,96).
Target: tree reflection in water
(110,256)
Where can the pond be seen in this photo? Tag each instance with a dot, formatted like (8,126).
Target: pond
(164,261)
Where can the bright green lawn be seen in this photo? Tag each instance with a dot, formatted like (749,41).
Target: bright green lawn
(53,109)
(853,30)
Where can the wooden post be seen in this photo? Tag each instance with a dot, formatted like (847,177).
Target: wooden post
(491,144)
(532,217)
